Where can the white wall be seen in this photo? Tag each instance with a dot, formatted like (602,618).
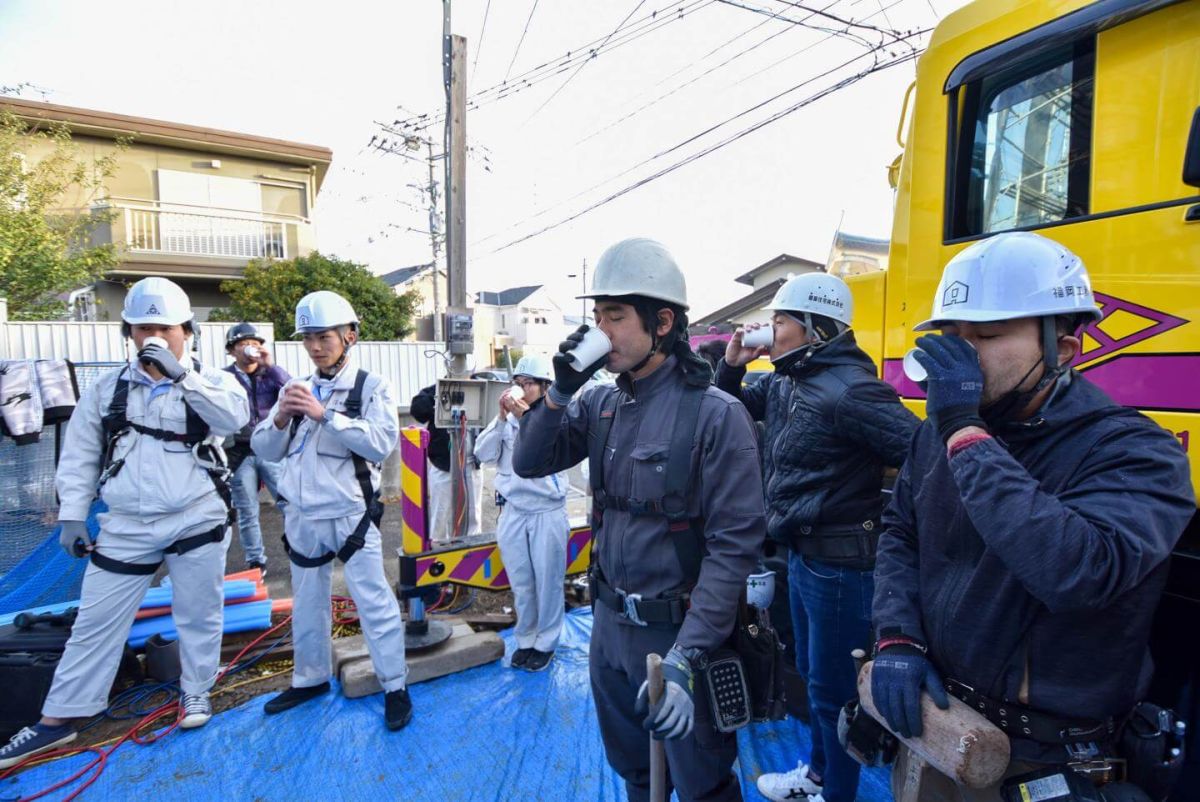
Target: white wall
(407,366)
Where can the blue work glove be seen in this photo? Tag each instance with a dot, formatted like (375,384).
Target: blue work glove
(164,360)
(74,538)
(567,380)
(675,714)
(955,383)
(897,676)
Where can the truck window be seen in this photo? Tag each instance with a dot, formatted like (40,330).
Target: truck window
(1023,152)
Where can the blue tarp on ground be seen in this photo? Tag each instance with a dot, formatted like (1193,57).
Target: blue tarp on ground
(486,734)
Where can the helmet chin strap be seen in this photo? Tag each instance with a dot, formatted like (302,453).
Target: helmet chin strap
(341,360)
(655,340)
(1011,403)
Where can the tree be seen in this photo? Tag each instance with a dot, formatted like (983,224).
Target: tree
(47,188)
(271,289)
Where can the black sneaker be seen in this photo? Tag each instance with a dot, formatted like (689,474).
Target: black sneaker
(294,696)
(520,657)
(397,709)
(260,566)
(538,661)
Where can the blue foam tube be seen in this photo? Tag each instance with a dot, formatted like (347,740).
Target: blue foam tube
(234,589)
(238,618)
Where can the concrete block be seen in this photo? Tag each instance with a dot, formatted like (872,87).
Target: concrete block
(465,649)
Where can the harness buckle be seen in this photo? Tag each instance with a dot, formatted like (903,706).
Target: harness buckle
(630,602)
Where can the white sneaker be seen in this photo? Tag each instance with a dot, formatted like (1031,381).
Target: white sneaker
(197,710)
(790,785)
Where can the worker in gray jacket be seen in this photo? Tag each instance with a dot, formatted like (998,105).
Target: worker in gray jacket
(674,538)
(533,528)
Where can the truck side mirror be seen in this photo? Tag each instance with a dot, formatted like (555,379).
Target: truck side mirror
(1191,156)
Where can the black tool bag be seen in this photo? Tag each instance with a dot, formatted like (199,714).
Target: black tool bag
(758,645)
(1153,753)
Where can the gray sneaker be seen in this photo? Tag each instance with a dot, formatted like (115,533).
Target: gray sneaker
(197,710)
(32,741)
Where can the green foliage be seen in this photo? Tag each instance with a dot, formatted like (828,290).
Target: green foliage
(47,187)
(272,288)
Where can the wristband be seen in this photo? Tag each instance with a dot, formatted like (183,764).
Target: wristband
(966,441)
(556,395)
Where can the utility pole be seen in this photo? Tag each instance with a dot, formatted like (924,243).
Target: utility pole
(433,240)
(456,188)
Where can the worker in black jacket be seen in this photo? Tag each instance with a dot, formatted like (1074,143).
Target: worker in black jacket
(831,429)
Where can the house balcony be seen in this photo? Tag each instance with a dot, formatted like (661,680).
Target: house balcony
(200,241)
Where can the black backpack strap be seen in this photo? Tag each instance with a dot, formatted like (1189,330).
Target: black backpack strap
(354,399)
(687,535)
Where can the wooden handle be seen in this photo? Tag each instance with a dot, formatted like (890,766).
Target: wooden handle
(958,742)
(654,675)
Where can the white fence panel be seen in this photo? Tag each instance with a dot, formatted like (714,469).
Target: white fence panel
(405,365)
(100,342)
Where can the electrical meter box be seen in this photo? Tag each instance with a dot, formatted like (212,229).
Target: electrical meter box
(477,399)
(460,332)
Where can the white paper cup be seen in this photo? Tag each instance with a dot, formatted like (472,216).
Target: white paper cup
(595,345)
(912,368)
(516,392)
(159,341)
(305,383)
(252,352)
(762,337)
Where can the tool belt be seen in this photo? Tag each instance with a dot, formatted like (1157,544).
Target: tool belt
(667,611)
(1019,721)
(181,546)
(838,543)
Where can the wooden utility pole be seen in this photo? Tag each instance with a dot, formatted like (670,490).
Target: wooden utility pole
(456,189)
(433,241)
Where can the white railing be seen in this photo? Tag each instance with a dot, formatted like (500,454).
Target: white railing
(162,231)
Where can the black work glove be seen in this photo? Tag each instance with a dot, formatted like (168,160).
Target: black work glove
(955,383)
(897,677)
(164,360)
(567,380)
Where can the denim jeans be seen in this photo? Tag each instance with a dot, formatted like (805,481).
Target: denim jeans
(245,501)
(831,614)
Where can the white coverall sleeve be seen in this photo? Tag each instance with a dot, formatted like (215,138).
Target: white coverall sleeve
(490,441)
(269,443)
(374,435)
(79,463)
(219,399)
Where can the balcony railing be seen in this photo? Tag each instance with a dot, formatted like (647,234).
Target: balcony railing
(229,235)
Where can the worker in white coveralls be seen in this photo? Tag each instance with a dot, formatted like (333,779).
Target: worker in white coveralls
(533,529)
(146,437)
(332,431)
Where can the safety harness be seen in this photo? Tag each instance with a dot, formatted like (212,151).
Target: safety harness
(687,534)
(115,424)
(362,472)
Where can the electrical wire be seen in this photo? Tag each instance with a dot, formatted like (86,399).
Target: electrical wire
(521,40)
(479,42)
(714,147)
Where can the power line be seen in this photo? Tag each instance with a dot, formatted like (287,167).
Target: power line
(521,40)
(839,20)
(713,148)
(479,43)
(583,64)
(772,15)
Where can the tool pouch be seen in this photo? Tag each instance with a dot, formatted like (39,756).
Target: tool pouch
(757,643)
(1146,746)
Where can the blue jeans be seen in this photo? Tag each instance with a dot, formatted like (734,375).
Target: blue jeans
(245,501)
(831,614)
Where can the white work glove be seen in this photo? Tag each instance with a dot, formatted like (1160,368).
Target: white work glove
(675,714)
(74,538)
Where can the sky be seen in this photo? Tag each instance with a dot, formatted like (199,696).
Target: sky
(652,95)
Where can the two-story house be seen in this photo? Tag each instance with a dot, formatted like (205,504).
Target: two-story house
(190,203)
(763,280)
(526,318)
(421,279)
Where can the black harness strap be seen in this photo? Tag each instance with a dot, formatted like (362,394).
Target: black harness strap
(362,472)
(687,535)
(116,423)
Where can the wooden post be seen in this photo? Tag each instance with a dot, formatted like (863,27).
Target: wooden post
(658,753)
(456,194)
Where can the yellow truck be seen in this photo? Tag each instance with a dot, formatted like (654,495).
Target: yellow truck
(1077,120)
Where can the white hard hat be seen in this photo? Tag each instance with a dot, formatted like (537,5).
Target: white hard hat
(158,301)
(1012,275)
(760,589)
(535,366)
(639,267)
(816,294)
(322,310)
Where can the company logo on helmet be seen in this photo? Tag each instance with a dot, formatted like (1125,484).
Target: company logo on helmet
(956,293)
(304,320)
(152,310)
(821,299)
